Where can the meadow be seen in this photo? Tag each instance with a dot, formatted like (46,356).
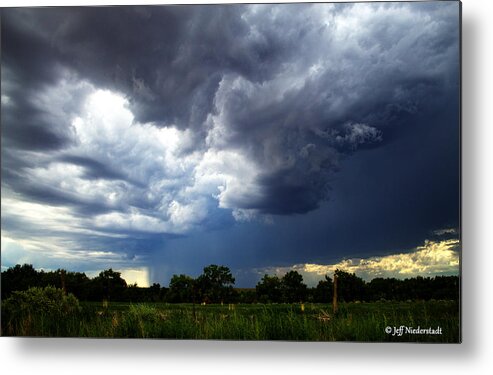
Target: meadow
(364,322)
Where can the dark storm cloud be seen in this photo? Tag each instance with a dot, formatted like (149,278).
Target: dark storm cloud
(93,168)
(50,195)
(31,133)
(361,92)
(168,60)
(25,123)
(250,67)
(173,64)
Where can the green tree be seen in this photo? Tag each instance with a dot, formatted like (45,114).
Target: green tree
(109,285)
(293,288)
(181,289)
(77,283)
(324,290)
(269,289)
(216,284)
(349,286)
(156,293)
(446,287)
(19,278)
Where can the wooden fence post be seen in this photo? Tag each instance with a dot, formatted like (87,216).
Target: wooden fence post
(334,297)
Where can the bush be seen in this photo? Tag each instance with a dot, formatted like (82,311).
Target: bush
(48,300)
(24,310)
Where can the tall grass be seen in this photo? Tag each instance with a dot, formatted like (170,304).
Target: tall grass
(365,322)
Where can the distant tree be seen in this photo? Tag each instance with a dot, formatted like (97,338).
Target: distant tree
(19,278)
(293,288)
(216,284)
(181,289)
(77,283)
(386,289)
(324,290)
(156,292)
(446,287)
(378,289)
(269,289)
(349,286)
(50,278)
(109,285)
(246,295)
(420,288)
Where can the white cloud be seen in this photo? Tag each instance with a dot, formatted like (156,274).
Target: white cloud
(149,163)
(228,176)
(449,231)
(358,134)
(52,251)
(151,181)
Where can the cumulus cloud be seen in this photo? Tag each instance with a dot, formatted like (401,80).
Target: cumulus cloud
(132,171)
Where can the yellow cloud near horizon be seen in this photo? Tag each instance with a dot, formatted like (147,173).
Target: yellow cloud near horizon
(431,259)
(136,275)
(139,275)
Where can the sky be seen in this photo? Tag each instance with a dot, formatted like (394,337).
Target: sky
(156,140)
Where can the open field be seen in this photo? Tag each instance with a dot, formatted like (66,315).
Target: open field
(309,322)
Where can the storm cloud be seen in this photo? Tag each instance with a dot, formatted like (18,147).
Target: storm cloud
(172,120)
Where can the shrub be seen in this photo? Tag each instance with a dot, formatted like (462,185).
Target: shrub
(23,310)
(48,300)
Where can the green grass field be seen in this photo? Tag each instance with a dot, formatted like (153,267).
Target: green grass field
(364,322)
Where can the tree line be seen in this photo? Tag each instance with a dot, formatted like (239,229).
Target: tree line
(216,285)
